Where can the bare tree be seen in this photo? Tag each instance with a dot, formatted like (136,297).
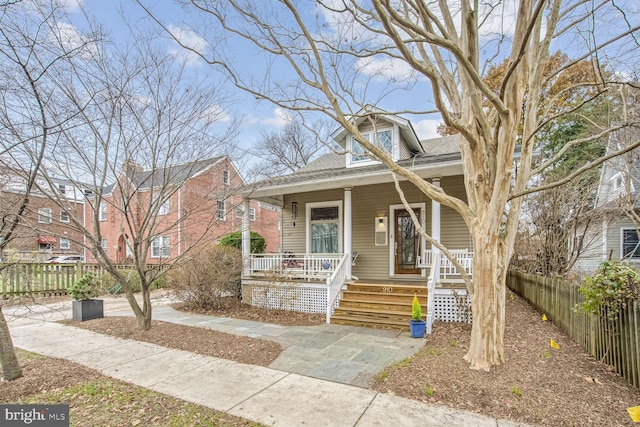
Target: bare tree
(144,129)
(30,118)
(286,150)
(332,49)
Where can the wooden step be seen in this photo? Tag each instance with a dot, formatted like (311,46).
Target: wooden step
(388,289)
(383,306)
(374,304)
(374,314)
(369,323)
(375,296)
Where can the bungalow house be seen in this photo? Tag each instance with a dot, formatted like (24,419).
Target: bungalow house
(617,206)
(190,205)
(350,247)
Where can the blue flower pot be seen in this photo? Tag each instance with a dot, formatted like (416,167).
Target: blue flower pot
(417,328)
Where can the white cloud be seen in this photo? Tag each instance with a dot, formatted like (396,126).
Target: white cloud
(217,114)
(190,39)
(498,19)
(386,68)
(279,119)
(71,39)
(427,128)
(72,6)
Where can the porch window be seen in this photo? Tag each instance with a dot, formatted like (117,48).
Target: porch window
(630,244)
(325,231)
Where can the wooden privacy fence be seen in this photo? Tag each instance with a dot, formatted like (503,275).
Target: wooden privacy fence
(43,278)
(616,343)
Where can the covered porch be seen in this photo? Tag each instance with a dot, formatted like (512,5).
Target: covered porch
(384,248)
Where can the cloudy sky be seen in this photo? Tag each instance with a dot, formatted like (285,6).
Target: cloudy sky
(258,116)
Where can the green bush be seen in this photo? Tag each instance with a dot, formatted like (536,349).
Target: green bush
(206,280)
(87,287)
(416,310)
(133,278)
(234,240)
(611,287)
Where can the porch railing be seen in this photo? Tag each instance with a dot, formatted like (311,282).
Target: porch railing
(335,282)
(447,270)
(305,266)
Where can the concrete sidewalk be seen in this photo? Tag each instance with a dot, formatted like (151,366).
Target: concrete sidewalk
(269,396)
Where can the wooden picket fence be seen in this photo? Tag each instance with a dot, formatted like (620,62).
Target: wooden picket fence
(42,278)
(616,343)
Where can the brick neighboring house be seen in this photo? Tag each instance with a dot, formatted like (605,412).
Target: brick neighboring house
(195,207)
(45,229)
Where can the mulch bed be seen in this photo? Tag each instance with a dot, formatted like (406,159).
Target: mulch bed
(232,307)
(537,384)
(253,351)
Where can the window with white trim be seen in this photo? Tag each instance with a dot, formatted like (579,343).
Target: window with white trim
(103,244)
(44,216)
(324,227)
(62,188)
(240,211)
(226,177)
(163,209)
(64,216)
(630,244)
(102,213)
(221,210)
(383,140)
(65,243)
(161,247)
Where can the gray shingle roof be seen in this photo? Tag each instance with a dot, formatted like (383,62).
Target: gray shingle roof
(172,175)
(333,165)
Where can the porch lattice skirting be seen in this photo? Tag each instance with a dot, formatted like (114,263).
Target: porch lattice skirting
(452,305)
(295,297)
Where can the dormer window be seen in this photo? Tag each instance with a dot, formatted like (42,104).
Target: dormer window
(383,139)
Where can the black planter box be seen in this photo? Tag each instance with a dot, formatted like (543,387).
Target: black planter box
(87,309)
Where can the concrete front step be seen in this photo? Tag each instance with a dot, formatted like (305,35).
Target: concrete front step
(383,306)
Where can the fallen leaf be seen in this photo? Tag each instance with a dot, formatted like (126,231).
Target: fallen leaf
(634,413)
(592,380)
(544,317)
(553,344)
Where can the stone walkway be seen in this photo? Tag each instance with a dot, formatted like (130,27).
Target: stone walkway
(345,354)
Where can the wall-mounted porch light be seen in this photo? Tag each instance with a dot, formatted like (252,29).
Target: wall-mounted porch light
(294,209)
(381,231)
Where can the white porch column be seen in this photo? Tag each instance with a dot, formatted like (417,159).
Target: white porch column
(435,276)
(347,228)
(435,215)
(246,237)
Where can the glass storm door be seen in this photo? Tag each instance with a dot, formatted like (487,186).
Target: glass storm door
(407,243)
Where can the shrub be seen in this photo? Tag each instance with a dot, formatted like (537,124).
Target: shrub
(611,287)
(207,279)
(234,240)
(416,310)
(133,278)
(87,287)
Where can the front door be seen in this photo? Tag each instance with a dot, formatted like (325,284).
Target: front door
(407,242)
